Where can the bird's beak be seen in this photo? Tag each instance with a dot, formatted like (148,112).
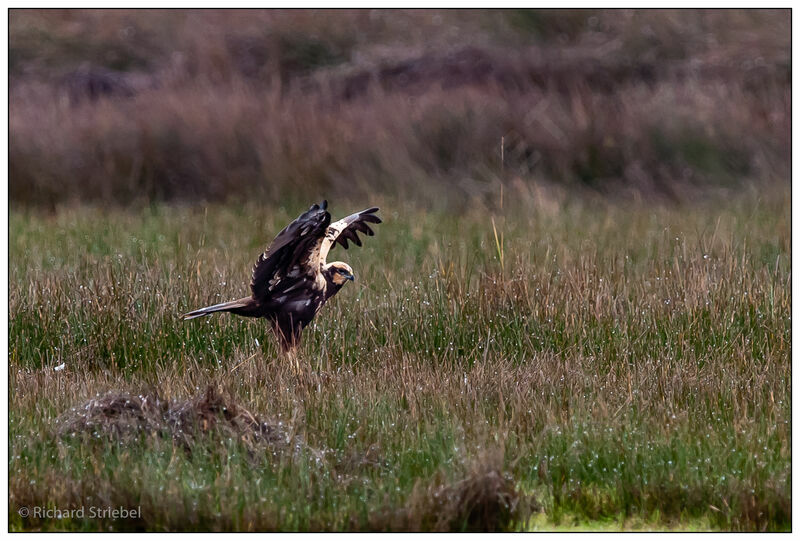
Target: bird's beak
(350,277)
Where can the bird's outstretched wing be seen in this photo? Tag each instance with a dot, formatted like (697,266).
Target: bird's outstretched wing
(289,259)
(347,229)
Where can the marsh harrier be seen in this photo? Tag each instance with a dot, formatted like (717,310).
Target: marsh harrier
(291,280)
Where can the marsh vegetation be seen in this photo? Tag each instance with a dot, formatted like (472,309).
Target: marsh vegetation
(576,314)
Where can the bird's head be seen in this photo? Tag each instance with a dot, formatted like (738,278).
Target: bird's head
(338,273)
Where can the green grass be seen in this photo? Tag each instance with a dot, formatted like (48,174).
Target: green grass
(623,366)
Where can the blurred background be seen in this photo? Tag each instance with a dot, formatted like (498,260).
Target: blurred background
(131,107)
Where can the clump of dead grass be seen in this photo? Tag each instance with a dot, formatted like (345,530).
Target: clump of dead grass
(485,499)
(123,416)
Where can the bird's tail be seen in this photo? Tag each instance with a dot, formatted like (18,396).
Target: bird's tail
(244,307)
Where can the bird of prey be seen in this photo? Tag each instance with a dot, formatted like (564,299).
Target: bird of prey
(291,279)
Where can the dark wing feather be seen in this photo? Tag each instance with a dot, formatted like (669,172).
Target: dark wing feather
(347,229)
(289,257)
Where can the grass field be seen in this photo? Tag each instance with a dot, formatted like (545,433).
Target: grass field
(581,364)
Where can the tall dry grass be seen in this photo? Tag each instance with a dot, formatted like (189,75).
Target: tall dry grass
(203,105)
